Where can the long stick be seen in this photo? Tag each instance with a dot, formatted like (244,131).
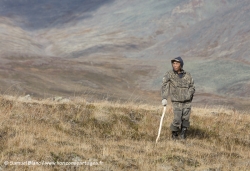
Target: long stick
(159,132)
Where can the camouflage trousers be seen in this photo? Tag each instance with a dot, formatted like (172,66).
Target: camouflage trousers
(181,115)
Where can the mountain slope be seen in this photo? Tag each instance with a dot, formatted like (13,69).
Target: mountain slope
(141,36)
(17,41)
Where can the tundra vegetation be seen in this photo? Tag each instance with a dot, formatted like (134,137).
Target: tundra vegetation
(116,136)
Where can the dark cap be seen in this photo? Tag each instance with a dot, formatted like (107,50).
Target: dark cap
(178,59)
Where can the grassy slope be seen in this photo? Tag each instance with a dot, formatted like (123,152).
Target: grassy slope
(109,78)
(122,136)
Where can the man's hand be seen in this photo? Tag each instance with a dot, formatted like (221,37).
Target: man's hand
(164,102)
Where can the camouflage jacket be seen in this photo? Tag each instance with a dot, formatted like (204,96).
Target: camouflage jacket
(181,89)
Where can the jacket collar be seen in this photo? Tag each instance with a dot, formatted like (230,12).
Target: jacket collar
(182,72)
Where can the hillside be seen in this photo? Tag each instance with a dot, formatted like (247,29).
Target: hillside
(113,136)
(16,41)
(121,49)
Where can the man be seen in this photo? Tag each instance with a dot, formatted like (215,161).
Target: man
(180,85)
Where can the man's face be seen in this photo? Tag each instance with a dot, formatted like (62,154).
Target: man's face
(176,66)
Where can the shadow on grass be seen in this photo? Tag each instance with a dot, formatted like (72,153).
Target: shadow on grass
(198,133)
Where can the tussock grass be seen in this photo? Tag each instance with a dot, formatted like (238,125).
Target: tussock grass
(122,136)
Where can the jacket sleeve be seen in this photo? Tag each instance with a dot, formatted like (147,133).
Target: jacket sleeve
(165,86)
(191,88)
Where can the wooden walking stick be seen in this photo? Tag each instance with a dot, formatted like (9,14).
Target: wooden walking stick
(159,131)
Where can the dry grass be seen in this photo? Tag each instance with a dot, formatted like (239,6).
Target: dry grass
(122,136)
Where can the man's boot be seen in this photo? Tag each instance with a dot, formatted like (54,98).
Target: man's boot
(175,131)
(174,135)
(183,133)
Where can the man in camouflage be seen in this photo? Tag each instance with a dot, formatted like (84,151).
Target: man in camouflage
(180,85)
